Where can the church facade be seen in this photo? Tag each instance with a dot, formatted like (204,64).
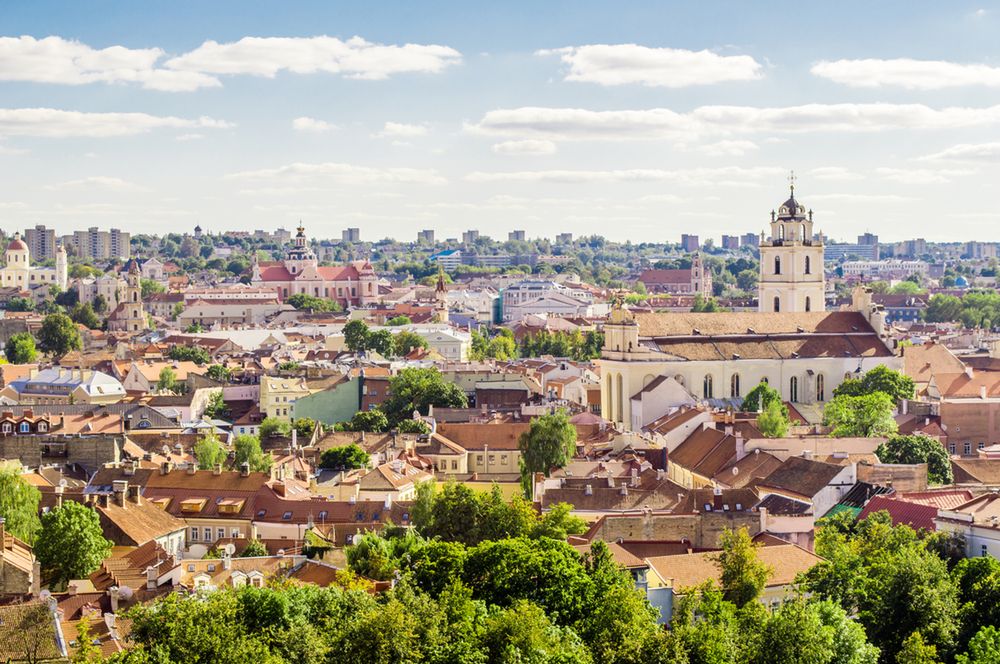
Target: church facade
(791,343)
(355,284)
(19,273)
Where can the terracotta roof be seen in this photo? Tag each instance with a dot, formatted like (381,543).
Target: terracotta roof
(976,471)
(619,554)
(800,476)
(922,362)
(912,514)
(140,522)
(15,619)
(942,499)
(738,323)
(654,277)
(688,570)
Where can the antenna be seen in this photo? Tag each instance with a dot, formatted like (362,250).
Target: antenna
(229,549)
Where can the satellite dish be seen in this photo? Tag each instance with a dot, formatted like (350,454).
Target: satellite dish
(44,595)
(63,482)
(229,549)
(736,470)
(125,592)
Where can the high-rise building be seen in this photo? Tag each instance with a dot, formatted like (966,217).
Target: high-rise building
(564,238)
(425,236)
(750,240)
(690,243)
(515,236)
(731,242)
(470,237)
(868,239)
(791,263)
(41,241)
(101,245)
(980,250)
(351,235)
(121,244)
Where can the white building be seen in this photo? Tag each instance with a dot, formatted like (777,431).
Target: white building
(791,262)
(535,296)
(18,273)
(885,269)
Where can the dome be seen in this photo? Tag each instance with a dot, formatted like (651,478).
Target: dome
(791,208)
(16,245)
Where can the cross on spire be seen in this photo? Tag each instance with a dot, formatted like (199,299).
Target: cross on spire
(791,182)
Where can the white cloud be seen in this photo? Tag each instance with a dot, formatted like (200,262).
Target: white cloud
(354,58)
(66,62)
(859,198)
(311,125)
(621,64)
(906,73)
(401,130)
(969,152)
(97,182)
(736,148)
(301,172)
(730,175)
(526,147)
(55,123)
(189,137)
(920,175)
(582,124)
(834,173)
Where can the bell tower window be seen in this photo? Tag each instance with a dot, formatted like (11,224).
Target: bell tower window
(777,304)
(777,264)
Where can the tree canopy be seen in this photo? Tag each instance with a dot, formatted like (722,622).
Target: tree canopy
(416,389)
(71,543)
(19,504)
(918,449)
(865,416)
(59,335)
(549,442)
(20,348)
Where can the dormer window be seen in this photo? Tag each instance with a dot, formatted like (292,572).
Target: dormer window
(7,428)
(25,427)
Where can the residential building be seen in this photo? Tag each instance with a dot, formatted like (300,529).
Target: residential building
(350,235)
(980,250)
(515,236)
(278,396)
(839,251)
(350,285)
(535,296)
(791,263)
(426,236)
(64,386)
(690,243)
(41,242)
(564,238)
(110,286)
(890,268)
(470,237)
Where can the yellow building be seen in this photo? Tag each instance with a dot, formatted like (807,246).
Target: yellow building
(278,394)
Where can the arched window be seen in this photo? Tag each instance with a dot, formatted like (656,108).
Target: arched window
(793,389)
(135,296)
(777,304)
(764,380)
(619,403)
(734,385)
(706,386)
(808,265)
(808,304)
(781,232)
(820,388)
(777,264)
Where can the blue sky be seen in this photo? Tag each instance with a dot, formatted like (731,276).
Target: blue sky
(637,120)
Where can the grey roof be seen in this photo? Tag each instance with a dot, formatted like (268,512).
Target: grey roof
(65,381)
(132,413)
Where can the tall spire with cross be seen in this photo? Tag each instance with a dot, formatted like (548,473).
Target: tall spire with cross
(791,182)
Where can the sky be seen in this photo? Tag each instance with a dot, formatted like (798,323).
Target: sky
(633,120)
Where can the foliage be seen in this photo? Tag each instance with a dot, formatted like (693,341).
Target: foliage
(71,543)
(18,303)
(415,389)
(219,373)
(975,309)
(209,452)
(312,303)
(405,341)
(760,397)
(500,347)
(19,504)
(549,442)
(381,342)
(216,407)
(87,652)
(575,345)
(356,335)
(182,353)
(248,450)
(304,427)
(373,421)
(864,416)
(59,335)
(85,315)
(915,651)
(705,305)
(20,348)
(346,457)
(271,427)
(167,380)
(918,449)
(880,379)
(743,574)
(255,548)
(149,287)
(773,422)
(399,320)
(413,426)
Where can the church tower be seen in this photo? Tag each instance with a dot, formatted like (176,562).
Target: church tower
(132,314)
(441,298)
(300,256)
(791,261)
(62,267)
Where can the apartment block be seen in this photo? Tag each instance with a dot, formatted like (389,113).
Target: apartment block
(41,242)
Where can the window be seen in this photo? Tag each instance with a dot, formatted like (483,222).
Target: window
(220,533)
(777,264)
(25,427)
(734,385)
(793,389)
(951,448)
(503,459)
(967,448)
(777,304)
(808,264)
(706,387)
(194,534)
(983,550)
(808,304)
(980,445)
(287,516)
(454,464)
(208,534)
(234,533)
(820,385)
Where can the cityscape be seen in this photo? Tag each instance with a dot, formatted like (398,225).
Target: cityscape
(576,333)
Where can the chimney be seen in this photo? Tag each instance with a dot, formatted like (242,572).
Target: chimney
(970,373)
(104,500)
(295,438)
(388,501)
(192,468)
(244,469)
(227,561)
(115,593)
(982,391)
(134,494)
(59,496)
(741,447)
(128,468)
(165,468)
(279,488)
(120,487)
(150,578)
(729,429)
(217,470)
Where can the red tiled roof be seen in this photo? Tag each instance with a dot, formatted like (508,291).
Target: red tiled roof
(275,273)
(914,515)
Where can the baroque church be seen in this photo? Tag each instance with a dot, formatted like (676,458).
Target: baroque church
(355,284)
(653,361)
(19,273)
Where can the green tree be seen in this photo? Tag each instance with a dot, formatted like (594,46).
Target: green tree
(216,407)
(396,321)
(87,652)
(918,449)
(356,336)
(304,427)
(524,633)
(346,457)
(71,543)
(865,416)
(19,504)
(182,353)
(549,442)
(18,303)
(405,341)
(209,452)
(773,422)
(382,342)
(759,398)
(915,651)
(743,574)
(415,389)
(880,379)
(984,648)
(84,315)
(304,301)
(248,450)
(149,287)
(373,421)
(219,373)
(59,335)
(20,348)
(255,549)
(167,380)
(271,427)
(100,303)
(794,634)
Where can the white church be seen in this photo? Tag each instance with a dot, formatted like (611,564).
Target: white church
(18,272)
(652,362)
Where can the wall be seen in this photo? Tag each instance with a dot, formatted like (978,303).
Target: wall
(90,451)
(336,404)
(701,530)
